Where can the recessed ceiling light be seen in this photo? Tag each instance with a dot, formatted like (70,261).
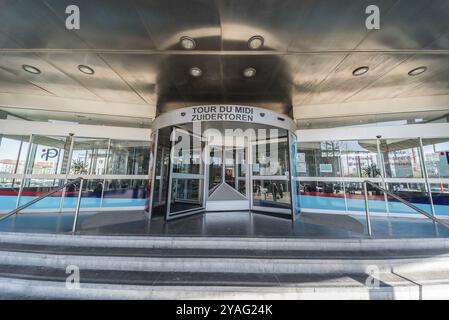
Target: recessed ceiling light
(360,71)
(249,72)
(417,71)
(31,69)
(85,69)
(255,42)
(195,72)
(187,43)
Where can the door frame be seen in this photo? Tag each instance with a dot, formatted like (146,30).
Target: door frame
(232,205)
(171,175)
(287,212)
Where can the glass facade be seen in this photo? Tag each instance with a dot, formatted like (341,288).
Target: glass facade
(436,158)
(115,171)
(331,174)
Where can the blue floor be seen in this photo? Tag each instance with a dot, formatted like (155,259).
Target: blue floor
(238,224)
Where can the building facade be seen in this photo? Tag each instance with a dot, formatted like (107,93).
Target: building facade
(255,159)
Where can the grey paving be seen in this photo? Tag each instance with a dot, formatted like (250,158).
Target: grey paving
(225,224)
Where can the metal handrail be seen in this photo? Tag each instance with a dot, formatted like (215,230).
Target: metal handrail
(391,194)
(30,203)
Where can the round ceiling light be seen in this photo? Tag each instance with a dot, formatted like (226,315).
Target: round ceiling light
(360,71)
(187,43)
(195,72)
(85,69)
(417,71)
(249,72)
(31,69)
(255,42)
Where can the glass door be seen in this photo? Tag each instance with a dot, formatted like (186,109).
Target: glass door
(271,185)
(227,177)
(186,182)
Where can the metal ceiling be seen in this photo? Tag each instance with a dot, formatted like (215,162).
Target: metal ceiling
(310,49)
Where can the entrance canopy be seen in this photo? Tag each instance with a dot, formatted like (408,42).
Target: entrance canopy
(132,60)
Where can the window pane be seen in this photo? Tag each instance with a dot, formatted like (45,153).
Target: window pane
(89,156)
(9,189)
(125,193)
(322,195)
(186,152)
(415,193)
(215,167)
(360,159)
(129,157)
(440,196)
(49,155)
(355,198)
(13,151)
(34,188)
(318,159)
(272,193)
(91,195)
(186,194)
(436,155)
(270,156)
(401,158)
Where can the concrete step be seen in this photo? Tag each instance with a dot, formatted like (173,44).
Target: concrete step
(225,265)
(34,266)
(224,242)
(176,252)
(339,287)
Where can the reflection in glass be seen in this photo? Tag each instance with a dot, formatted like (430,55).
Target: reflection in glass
(440,196)
(187,153)
(401,158)
(355,198)
(129,157)
(33,188)
(186,194)
(160,190)
(235,168)
(272,193)
(125,193)
(271,160)
(318,159)
(215,167)
(415,193)
(89,156)
(271,156)
(187,171)
(322,195)
(13,151)
(9,189)
(436,155)
(49,155)
(91,195)
(360,159)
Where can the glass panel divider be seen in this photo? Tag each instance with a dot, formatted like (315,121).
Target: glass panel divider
(25,170)
(425,174)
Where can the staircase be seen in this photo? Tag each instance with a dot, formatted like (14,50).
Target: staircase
(34,266)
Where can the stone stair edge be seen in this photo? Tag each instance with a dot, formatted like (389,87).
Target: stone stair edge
(225,242)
